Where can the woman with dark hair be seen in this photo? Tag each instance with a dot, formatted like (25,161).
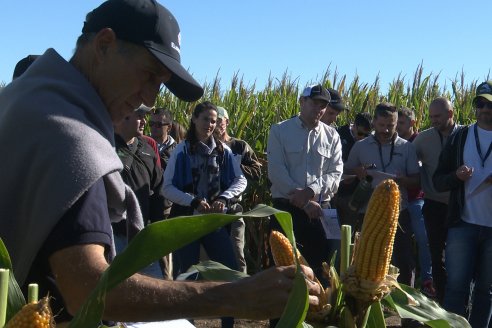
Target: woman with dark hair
(203,177)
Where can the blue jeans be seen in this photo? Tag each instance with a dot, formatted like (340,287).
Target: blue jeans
(420,234)
(469,258)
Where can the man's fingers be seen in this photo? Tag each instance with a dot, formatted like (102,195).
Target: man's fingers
(313,300)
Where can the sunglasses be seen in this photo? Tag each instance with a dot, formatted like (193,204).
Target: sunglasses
(158,124)
(481,104)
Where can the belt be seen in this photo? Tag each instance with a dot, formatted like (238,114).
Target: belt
(284,201)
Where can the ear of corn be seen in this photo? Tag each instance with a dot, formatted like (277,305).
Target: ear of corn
(33,315)
(282,251)
(373,252)
(283,255)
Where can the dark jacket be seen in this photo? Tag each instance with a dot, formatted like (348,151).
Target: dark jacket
(347,140)
(144,176)
(445,178)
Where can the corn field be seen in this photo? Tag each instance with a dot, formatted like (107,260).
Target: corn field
(252,111)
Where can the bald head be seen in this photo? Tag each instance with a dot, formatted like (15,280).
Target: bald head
(443,103)
(441,115)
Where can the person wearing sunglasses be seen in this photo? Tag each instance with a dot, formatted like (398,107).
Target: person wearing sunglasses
(465,170)
(352,132)
(160,124)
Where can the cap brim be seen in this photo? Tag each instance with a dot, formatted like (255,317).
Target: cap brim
(321,98)
(337,106)
(484,95)
(181,84)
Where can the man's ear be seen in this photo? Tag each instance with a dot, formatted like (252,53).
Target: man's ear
(104,40)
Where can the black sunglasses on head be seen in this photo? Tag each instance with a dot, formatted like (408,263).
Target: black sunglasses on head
(158,124)
(483,103)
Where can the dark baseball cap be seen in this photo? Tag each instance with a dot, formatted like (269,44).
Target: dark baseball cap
(484,90)
(316,92)
(336,100)
(149,24)
(22,65)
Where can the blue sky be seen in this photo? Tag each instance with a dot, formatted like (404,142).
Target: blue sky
(303,38)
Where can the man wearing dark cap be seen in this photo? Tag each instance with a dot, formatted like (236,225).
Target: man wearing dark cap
(305,166)
(334,108)
(66,174)
(465,170)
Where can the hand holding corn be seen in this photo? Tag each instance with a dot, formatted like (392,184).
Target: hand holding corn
(283,255)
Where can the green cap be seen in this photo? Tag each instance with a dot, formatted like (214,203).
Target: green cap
(484,90)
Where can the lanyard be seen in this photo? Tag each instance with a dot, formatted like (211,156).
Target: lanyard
(479,149)
(380,148)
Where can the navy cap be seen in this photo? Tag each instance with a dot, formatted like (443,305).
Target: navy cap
(149,24)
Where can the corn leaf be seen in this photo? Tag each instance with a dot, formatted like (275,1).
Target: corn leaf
(15,298)
(211,270)
(376,317)
(427,311)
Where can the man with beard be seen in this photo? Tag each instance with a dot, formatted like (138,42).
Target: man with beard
(387,153)
(305,166)
(465,170)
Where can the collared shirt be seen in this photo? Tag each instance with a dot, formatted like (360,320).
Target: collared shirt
(428,145)
(398,159)
(300,158)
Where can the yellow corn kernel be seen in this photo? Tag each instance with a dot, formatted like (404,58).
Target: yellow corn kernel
(373,252)
(33,315)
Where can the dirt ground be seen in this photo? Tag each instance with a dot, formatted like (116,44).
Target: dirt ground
(391,322)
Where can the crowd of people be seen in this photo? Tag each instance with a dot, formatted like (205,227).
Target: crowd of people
(90,178)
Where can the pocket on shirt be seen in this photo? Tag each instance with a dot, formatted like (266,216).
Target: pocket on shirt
(324,152)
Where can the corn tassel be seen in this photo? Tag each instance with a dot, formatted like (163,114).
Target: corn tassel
(33,315)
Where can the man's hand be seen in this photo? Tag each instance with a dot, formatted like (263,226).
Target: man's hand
(217,207)
(203,207)
(313,210)
(464,172)
(274,286)
(299,197)
(360,172)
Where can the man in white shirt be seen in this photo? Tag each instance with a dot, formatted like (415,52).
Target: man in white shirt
(465,170)
(305,166)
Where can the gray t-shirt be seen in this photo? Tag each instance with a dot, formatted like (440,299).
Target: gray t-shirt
(398,157)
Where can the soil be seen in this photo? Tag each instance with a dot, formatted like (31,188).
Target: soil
(391,322)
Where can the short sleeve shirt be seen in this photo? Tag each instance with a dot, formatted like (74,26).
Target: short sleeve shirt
(399,159)
(86,222)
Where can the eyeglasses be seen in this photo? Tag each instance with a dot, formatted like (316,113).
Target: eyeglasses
(481,104)
(158,124)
